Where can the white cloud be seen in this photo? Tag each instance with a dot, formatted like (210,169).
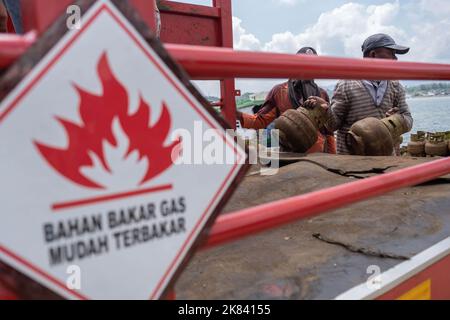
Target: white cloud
(430,42)
(242,39)
(341,32)
(437,7)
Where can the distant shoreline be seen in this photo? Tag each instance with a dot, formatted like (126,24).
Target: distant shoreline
(428,97)
(250,105)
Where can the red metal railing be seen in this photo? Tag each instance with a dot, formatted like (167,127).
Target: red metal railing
(215,63)
(182,23)
(240,224)
(212,63)
(220,63)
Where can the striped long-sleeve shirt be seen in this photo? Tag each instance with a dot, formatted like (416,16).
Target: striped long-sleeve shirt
(352,102)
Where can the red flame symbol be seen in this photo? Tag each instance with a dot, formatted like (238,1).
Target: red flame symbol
(97,114)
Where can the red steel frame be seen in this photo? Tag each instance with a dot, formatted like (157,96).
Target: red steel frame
(181,24)
(205,26)
(221,63)
(240,224)
(38,15)
(437,274)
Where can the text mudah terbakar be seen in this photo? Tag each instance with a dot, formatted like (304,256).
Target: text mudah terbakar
(120,229)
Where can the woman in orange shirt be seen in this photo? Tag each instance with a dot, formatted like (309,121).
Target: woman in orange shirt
(290,95)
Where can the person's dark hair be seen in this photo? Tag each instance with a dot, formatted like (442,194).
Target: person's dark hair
(257,108)
(367,54)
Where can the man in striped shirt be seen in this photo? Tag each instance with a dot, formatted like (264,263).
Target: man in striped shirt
(354,100)
(290,95)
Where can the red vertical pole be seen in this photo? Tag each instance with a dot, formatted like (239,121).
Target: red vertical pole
(227,86)
(10,26)
(146,9)
(227,89)
(28,15)
(40,14)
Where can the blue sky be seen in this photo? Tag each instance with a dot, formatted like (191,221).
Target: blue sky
(338,28)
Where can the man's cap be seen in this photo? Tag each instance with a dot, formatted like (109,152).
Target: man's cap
(381,40)
(307,50)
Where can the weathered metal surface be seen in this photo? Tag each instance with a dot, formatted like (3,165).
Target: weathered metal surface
(292,263)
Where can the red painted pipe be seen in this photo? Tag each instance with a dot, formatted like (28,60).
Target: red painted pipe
(216,63)
(216,104)
(13,46)
(240,224)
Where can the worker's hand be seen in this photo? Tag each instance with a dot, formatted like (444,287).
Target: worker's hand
(239,117)
(392,111)
(316,102)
